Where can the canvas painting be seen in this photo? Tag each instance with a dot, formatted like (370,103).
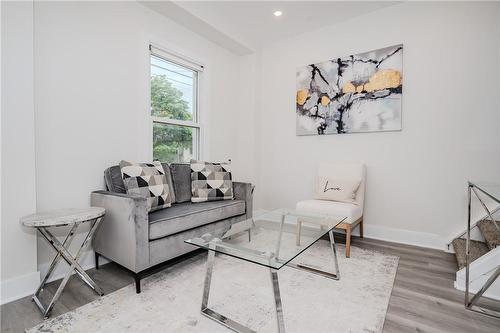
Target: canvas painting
(354,94)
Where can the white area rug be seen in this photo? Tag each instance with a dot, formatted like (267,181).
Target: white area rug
(170,300)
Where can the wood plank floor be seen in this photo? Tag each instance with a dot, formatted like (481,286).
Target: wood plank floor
(423,298)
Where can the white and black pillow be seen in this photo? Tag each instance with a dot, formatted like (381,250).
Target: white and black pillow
(147,180)
(210,181)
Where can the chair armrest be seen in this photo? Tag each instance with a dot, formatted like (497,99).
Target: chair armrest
(123,235)
(244,191)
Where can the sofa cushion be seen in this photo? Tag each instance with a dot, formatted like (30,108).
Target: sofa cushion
(344,209)
(187,215)
(114,181)
(168,174)
(181,177)
(147,180)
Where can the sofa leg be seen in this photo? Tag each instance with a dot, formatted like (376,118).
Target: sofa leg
(348,241)
(137,279)
(361,229)
(96,260)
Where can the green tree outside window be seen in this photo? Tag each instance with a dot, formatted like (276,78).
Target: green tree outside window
(169,141)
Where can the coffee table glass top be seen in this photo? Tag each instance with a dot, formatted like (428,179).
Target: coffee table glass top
(269,239)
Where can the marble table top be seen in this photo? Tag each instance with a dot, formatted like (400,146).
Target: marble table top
(62,217)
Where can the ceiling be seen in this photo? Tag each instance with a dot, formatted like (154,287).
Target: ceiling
(245,26)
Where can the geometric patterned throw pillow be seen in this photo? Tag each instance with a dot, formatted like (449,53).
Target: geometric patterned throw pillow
(149,181)
(210,181)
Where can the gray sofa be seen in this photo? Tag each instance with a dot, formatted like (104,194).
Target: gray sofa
(142,242)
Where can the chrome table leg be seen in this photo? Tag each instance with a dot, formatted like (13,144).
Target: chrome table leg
(208,280)
(206,311)
(280,236)
(277,300)
(66,243)
(227,322)
(73,261)
(63,253)
(317,270)
(334,252)
(298,231)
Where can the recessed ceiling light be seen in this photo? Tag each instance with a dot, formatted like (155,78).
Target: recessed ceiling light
(278,13)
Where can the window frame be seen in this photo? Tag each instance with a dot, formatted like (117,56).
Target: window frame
(195,123)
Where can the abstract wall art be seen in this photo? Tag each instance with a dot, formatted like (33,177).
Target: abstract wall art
(353,94)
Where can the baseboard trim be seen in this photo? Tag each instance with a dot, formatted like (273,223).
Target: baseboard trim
(87,261)
(408,237)
(19,287)
(401,236)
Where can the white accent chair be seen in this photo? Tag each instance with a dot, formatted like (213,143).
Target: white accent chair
(353,211)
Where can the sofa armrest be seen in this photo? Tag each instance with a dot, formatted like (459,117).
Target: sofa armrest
(123,235)
(244,191)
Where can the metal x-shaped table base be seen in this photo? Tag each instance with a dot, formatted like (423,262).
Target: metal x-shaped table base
(63,253)
(237,327)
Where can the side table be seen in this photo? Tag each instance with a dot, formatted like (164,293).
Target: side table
(492,191)
(58,218)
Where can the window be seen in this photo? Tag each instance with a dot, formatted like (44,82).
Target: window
(174,107)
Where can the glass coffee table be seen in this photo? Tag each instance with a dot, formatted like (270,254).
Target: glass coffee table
(269,239)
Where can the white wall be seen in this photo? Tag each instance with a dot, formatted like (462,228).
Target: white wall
(416,190)
(19,274)
(245,159)
(92,76)
(91,110)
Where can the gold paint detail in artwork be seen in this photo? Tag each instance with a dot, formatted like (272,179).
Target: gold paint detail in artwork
(302,96)
(325,101)
(349,88)
(383,79)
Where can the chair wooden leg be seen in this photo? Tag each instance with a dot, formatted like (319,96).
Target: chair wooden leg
(361,229)
(348,241)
